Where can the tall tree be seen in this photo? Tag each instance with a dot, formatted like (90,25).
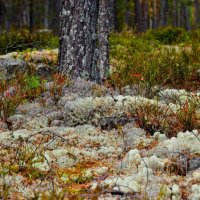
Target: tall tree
(103,33)
(30,15)
(2,14)
(113,15)
(175,13)
(155,14)
(144,15)
(197,13)
(163,12)
(78,52)
(46,14)
(185,15)
(137,7)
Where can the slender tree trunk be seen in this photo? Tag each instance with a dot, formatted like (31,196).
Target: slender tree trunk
(2,14)
(155,15)
(30,15)
(46,14)
(197,13)
(187,18)
(112,17)
(174,13)
(138,15)
(78,52)
(104,29)
(186,15)
(179,18)
(54,18)
(163,13)
(27,14)
(145,15)
(128,19)
(126,2)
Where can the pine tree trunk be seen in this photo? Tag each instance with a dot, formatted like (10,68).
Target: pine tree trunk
(30,15)
(2,15)
(155,15)
(197,13)
(175,20)
(78,52)
(163,13)
(54,15)
(186,17)
(46,14)
(137,7)
(103,33)
(144,15)
(179,18)
(112,17)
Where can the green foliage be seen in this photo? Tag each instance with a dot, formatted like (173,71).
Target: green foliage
(32,82)
(168,35)
(188,114)
(19,41)
(136,61)
(14,92)
(153,116)
(129,42)
(10,98)
(124,14)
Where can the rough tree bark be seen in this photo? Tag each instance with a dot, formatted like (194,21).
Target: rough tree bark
(103,33)
(78,39)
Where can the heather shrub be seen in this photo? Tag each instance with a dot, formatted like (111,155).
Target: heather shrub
(153,66)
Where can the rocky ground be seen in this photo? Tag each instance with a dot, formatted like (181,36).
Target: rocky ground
(87,145)
(41,62)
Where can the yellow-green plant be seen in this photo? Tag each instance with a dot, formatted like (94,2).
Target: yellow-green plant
(10,98)
(188,114)
(152,117)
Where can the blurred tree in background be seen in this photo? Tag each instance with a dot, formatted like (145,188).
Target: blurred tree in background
(139,15)
(32,14)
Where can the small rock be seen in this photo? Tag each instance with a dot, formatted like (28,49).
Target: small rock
(194,163)
(3,126)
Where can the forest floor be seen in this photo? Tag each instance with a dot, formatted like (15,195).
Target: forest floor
(74,139)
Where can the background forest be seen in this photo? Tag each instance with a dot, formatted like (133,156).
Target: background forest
(139,15)
(135,135)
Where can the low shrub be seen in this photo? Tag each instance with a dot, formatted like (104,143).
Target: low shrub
(22,40)
(189,114)
(13,92)
(165,66)
(168,35)
(154,117)
(10,98)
